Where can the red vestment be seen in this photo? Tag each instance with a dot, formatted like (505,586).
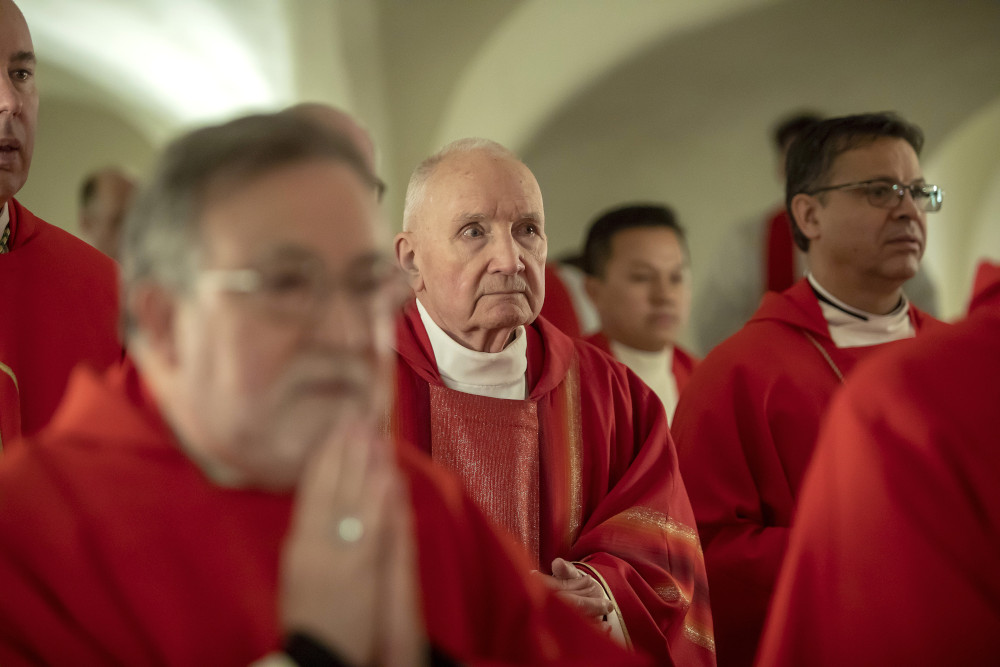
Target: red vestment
(557,307)
(682,365)
(58,307)
(745,429)
(608,493)
(779,262)
(116,549)
(893,555)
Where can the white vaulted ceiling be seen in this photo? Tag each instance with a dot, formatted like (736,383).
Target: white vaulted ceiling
(652,99)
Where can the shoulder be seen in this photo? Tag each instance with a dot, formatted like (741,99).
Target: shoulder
(63,252)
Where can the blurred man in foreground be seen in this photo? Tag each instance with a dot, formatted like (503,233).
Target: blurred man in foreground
(226,496)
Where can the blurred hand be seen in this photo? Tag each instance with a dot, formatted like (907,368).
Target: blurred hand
(578,589)
(348,566)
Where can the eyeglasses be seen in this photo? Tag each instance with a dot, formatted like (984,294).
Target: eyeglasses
(886,194)
(296,291)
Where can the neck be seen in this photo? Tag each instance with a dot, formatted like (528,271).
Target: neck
(870,295)
(485,341)
(635,345)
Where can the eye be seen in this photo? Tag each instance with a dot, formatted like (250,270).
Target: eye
(286,281)
(22,74)
(640,277)
(372,278)
(473,232)
(880,190)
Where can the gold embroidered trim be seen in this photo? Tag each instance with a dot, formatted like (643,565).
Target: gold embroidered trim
(836,371)
(571,409)
(9,371)
(698,637)
(656,519)
(670,593)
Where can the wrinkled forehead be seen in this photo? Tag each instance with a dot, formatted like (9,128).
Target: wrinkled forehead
(485,183)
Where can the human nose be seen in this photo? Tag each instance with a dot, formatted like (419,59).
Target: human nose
(506,257)
(907,205)
(342,318)
(663,290)
(10,97)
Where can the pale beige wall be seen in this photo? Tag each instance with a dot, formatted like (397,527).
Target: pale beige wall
(73,139)
(967,228)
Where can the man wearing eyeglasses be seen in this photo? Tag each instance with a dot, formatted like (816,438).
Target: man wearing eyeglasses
(747,423)
(226,495)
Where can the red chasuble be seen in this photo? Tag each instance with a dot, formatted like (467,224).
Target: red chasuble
(115,549)
(608,494)
(682,365)
(779,262)
(745,429)
(558,306)
(893,558)
(58,307)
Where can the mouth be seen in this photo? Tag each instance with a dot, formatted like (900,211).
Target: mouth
(9,145)
(663,319)
(906,241)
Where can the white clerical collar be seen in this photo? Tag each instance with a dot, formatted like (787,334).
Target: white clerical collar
(850,327)
(496,374)
(655,369)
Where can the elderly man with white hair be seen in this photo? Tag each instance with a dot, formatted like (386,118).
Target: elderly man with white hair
(561,446)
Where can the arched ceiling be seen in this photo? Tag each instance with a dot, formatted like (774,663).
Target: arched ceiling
(171,63)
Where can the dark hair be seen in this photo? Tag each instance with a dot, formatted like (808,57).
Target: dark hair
(812,154)
(789,127)
(597,249)
(160,242)
(88,189)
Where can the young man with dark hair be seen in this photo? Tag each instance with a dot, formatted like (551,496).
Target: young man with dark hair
(747,423)
(639,280)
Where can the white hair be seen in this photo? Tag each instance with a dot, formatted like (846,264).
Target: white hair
(416,189)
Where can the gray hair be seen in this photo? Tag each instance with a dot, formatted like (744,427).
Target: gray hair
(416,189)
(160,241)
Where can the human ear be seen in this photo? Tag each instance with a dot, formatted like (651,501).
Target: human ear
(153,310)
(406,256)
(805,209)
(592,286)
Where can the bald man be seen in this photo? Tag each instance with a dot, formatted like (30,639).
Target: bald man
(564,448)
(58,295)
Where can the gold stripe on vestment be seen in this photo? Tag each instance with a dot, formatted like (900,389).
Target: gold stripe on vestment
(574,449)
(653,518)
